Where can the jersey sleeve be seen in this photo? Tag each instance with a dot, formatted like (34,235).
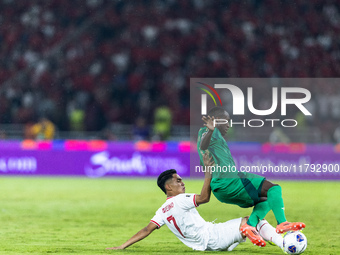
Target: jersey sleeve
(157,219)
(215,136)
(186,201)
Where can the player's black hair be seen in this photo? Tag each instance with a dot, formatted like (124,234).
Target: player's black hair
(216,111)
(163,177)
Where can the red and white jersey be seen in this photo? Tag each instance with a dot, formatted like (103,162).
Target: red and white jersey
(180,215)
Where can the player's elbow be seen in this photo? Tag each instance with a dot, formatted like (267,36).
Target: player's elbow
(202,147)
(204,200)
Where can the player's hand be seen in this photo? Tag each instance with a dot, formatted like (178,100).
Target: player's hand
(115,248)
(209,122)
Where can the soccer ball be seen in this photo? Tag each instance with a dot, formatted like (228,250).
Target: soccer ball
(294,242)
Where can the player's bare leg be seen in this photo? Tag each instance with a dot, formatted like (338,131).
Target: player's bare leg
(274,197)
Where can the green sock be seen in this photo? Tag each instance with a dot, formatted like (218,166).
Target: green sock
(259,212)
(275,201)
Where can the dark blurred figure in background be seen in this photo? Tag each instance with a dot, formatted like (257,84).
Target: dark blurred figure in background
(141,130)
(337,135)
(3,135)
(95,117)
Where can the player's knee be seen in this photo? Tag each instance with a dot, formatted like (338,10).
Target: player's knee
(266,186)
(270,184)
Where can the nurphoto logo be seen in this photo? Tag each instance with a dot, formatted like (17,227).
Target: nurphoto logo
(239,100)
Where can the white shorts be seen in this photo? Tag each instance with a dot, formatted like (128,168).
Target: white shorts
(223,235)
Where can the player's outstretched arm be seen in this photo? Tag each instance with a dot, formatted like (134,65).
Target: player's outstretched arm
(204,197)
(141,234)
(209,123)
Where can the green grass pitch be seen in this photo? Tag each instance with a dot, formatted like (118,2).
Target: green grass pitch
(84,216)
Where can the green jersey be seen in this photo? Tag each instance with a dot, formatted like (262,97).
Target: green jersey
(228,184)
(218,148)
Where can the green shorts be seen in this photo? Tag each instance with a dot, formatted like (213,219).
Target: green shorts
(244,190)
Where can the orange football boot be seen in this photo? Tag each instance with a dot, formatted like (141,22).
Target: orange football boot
(289,226)
(253,235)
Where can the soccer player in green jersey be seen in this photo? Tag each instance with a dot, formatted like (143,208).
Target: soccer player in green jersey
(240,188)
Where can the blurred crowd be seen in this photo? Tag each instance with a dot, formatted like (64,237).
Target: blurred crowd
(83,64)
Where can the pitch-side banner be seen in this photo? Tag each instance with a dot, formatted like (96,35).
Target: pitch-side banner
(92,164)
(109,159)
